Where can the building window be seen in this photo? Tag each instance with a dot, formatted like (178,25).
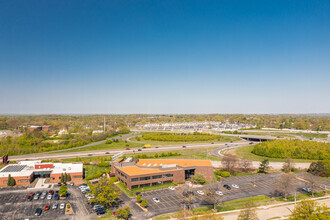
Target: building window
(156,183)
(135,186)
(168,181)
(135,179)
(76,176)
(23,181)
(5,181)
(144,178)
(157,177)
(167,175)
(144,185)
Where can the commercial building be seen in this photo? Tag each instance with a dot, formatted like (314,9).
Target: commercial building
(135,173)
(26,172)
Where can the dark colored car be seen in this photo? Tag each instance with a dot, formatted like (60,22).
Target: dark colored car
(212,143)
(30,196)
(183,146)
(59,184)
(38,212)
(139,150)
(100,211)
(227,187)
(56,197)
(51,192)
(47,207)
(107,153)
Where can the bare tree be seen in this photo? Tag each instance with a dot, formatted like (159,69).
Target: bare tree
(188,195)
(229,162)
(211,194)
(249,212)
(286,184)
(288,165)
(246,165)
(312,182)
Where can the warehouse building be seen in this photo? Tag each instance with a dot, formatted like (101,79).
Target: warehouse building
(26,172)
(135,173)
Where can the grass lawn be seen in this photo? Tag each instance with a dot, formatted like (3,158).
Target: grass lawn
(302,196)
(92,169)
(245,152)
(165,143)
(114,145)
(81,159)
(131,193)
(194,153)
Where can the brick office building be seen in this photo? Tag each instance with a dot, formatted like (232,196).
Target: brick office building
(135,173)
(26,172)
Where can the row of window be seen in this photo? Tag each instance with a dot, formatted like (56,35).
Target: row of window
(153,177)
(153,184)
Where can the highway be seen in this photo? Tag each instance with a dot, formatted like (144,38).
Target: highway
(47,156)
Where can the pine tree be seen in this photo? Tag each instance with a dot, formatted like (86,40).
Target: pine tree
(11,181)
(69,178)
(65,177)
(62,178)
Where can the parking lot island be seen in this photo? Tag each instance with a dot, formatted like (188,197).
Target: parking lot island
(136,173)
(25,172)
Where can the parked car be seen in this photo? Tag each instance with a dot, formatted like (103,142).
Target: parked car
(36,197)
(43,196)
(212,143)
(95,207)
(90,155)
(227,186)
(49,196)
(184,147)
(56,197)
(55,206)
(171,187)
(72,184)
(30,196)
(235,186)
(156,200)
(107,153)
(100,212)
(62,205)
(219,193)
(200,192)
(38,212)
(139,149)
(307,190)
(59,184)
(47,207)
(51,192)
(128,148)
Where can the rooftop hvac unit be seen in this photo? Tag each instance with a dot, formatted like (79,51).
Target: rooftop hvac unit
(169,166)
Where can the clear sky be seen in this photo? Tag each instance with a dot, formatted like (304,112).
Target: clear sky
(164,56)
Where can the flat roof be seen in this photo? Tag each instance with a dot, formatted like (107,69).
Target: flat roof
(179,162)
(134,170)
(28,167)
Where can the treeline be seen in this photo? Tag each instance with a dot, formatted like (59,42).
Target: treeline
(156,155)
(35,142)
(293,148)
(161,136)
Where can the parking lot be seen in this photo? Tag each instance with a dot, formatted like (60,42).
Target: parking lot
(15,205)
(253,185)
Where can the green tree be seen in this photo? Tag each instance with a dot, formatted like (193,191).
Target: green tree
(144,203)
(320,168)
(311,210)
(124,212)
(62,178)
(69,178)
(105,192)
(139,198)
(199,179)
(264,166)
(63,190)
(65,177)
(249,212)
(11,181)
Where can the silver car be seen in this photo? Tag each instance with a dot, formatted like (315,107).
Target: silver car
(55,206)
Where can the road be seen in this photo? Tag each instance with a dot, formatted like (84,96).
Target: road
(274,165)
(44,156)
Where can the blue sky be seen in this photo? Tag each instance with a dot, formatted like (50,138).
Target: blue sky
(160,56)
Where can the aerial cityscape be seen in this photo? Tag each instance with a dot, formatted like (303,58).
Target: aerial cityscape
(154,110)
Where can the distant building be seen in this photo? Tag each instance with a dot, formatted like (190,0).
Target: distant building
(63,131)
(136,173)
(38,128)
(26,172)
(98,131)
